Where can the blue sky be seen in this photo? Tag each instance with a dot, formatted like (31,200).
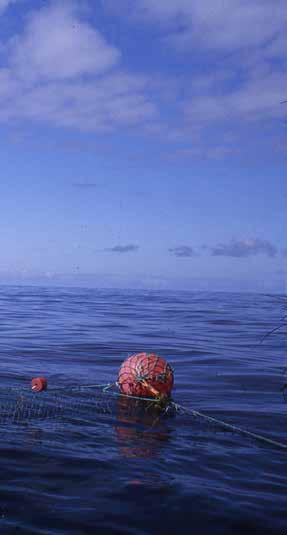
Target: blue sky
(144,144)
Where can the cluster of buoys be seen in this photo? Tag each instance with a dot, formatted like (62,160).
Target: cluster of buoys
(141,375)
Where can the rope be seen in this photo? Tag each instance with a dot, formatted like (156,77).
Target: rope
(86,387)
(118,394)
(195,413)
(75,388)
(165,404)
(231,427)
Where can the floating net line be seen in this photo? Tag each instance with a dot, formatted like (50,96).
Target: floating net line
(25,407)
(230,427)
(83,404)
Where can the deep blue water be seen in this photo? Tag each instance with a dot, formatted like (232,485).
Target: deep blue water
(114,471)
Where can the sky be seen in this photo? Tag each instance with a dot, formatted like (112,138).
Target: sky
(144,144)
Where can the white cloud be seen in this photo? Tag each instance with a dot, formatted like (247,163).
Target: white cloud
(219,24)
(5,3)
(61,70)
(230,47)
(254,99)
(57,44)
(95,105)
(8,84)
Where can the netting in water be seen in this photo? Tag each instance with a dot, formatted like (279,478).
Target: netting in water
(19,407)
(84,407)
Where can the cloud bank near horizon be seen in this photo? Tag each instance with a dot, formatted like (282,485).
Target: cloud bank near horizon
(183,251)
(245,248)
(122,249)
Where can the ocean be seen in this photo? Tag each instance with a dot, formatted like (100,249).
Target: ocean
(76,460)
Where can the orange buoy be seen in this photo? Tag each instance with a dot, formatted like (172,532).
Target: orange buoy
(39,384)
(146,375)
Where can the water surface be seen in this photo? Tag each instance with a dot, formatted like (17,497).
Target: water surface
(99,467)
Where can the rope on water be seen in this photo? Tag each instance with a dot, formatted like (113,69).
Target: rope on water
(198,414)
(73,401)
(104,388)
(163,403)
(231,427)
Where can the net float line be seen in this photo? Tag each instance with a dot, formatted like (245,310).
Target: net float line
(166,407)
(40,384)
(231,427)
(78,406)
(148,377)
(142,375)
(54,406)
(145,380)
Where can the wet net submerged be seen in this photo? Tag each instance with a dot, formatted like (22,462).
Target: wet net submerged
(83,406)
(23,407)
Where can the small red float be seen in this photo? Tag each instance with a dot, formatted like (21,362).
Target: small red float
(39,384)
(146,375)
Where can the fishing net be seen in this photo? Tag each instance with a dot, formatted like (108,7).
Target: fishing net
(75,405)
(24,407)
